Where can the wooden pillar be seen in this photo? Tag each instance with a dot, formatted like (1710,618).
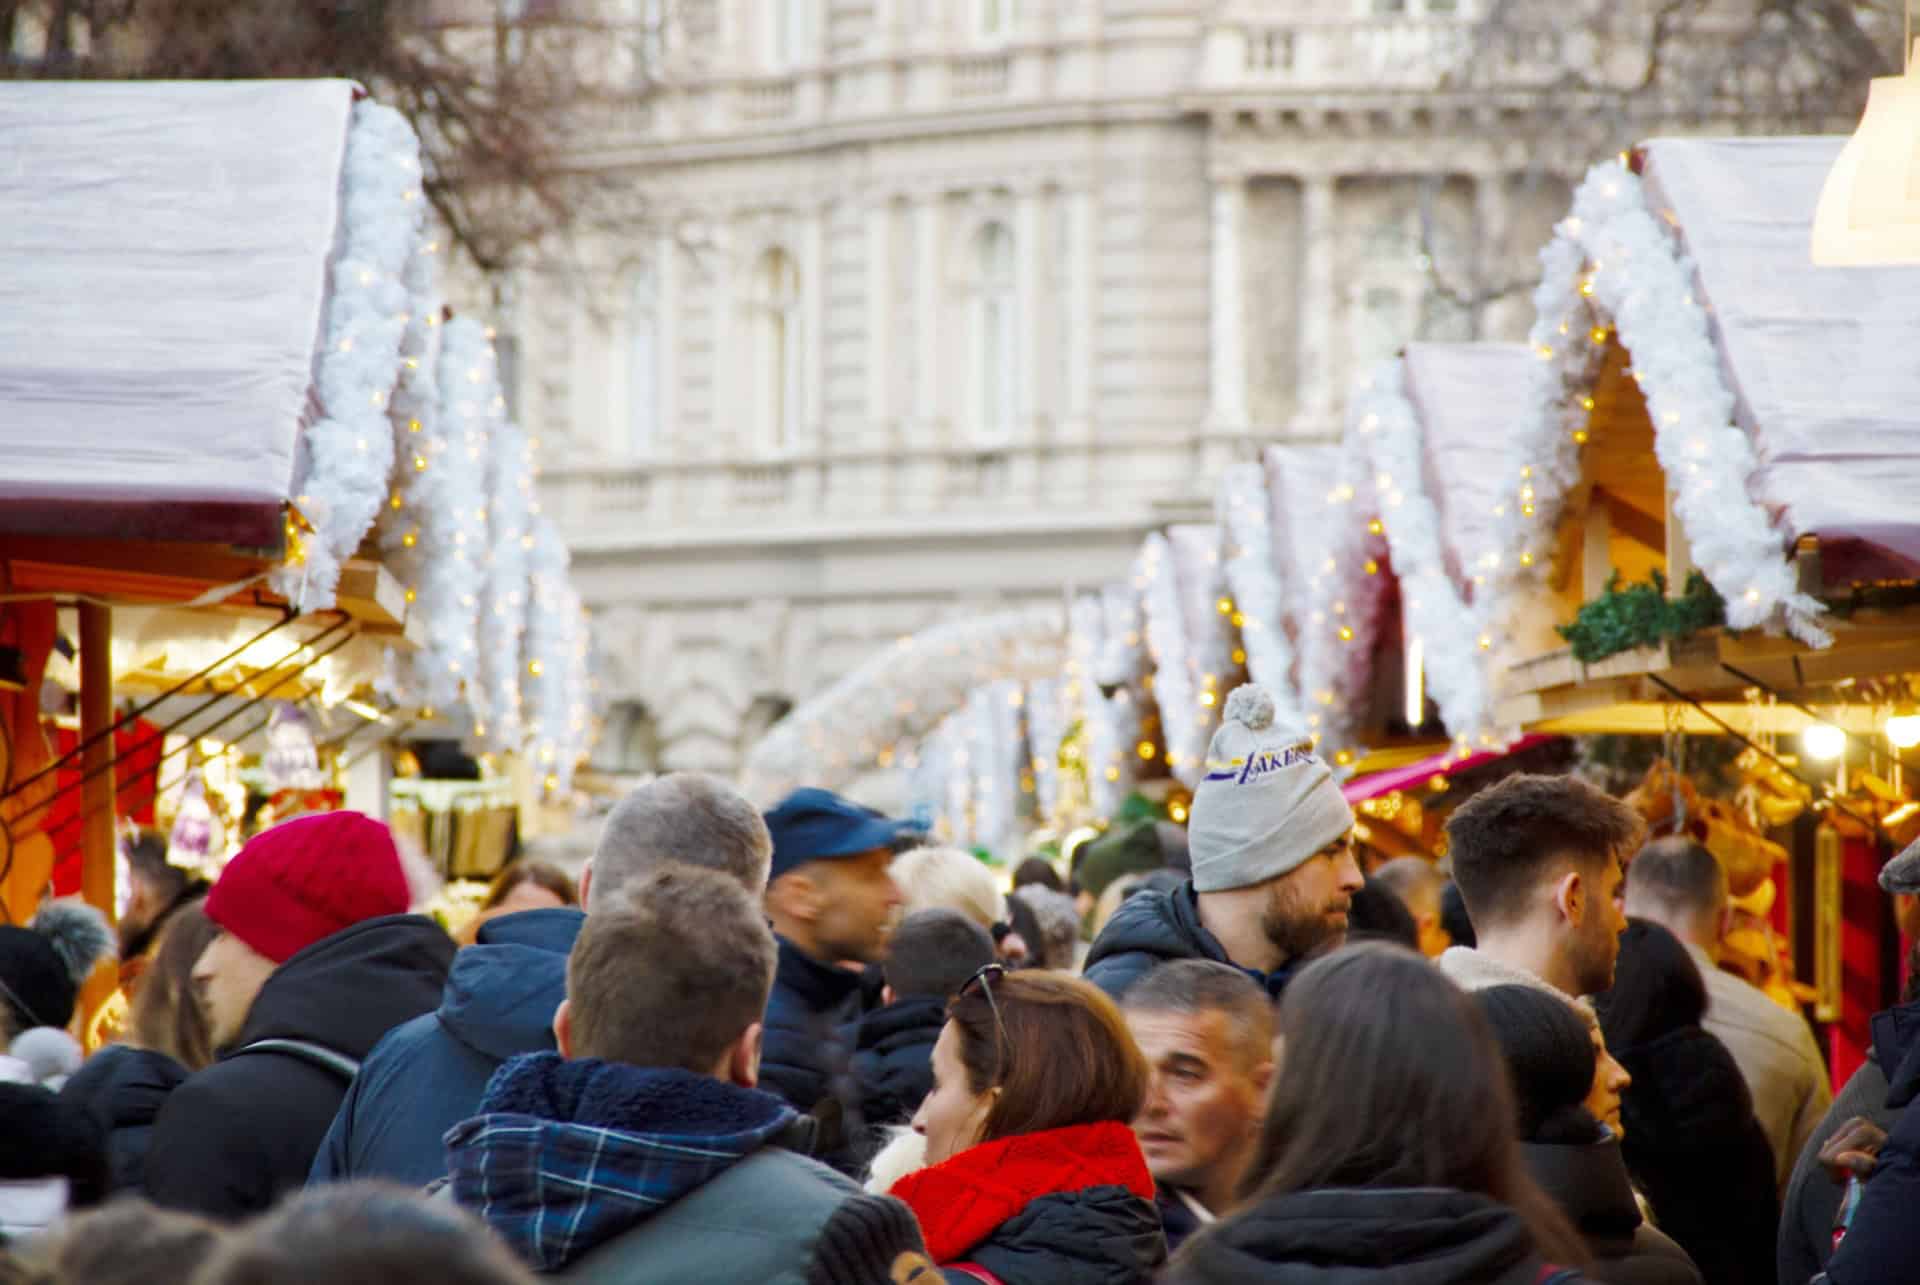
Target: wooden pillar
(96,766)
(99,842)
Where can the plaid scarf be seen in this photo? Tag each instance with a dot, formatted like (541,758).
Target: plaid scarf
(568,1154)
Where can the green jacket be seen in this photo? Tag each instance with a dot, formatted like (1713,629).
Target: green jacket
(775,1218)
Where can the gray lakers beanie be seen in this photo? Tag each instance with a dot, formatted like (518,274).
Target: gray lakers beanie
(1266,804)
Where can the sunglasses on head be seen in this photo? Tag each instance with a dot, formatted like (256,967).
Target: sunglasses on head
(984,978)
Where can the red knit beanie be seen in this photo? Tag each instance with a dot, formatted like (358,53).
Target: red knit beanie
(306,879)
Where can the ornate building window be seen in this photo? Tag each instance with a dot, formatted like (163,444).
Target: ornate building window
(643,367)
(775,316)
(995,334)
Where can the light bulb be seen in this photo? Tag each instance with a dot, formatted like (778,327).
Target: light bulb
(1823,741)
(1903,731)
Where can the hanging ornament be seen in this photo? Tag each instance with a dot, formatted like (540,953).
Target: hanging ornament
(292,759)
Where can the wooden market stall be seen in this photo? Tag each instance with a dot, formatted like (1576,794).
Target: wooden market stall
(1712,490)
(201,311)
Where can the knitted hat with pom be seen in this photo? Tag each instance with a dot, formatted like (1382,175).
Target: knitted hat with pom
(43,964)
(306,879)
(1266,805)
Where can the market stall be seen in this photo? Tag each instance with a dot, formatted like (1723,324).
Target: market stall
(223,453)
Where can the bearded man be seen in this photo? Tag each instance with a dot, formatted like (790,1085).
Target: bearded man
(1274,873)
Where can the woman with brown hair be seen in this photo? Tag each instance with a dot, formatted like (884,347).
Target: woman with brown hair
(521,885)
(1388,1151)
(1034,1176)
(124,1085)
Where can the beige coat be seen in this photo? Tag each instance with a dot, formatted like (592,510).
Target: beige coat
(1777,1057)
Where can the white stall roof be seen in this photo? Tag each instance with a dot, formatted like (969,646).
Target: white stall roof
(1825,362)
(1469,399)
(162,274)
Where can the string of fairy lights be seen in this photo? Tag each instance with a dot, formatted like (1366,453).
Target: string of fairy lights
(412,444)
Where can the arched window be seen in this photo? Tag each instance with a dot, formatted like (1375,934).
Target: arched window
(777,346)
(637,436)
(995,333)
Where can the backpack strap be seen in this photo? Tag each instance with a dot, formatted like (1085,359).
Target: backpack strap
(313,1054)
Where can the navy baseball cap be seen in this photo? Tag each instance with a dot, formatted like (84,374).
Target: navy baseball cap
(819,825)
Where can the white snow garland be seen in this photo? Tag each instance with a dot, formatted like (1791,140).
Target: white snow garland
(346,455)
(1382,419)
(1048,716)
(414,412)
(1246,514)
(1208,612)
(450,515)
(553,641)
(503,619)
(1122,654)
(1336,602)
(1110,725)
(1174,690)
(1612,259)
(897,695)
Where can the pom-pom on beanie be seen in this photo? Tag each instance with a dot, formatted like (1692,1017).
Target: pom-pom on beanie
(43,964)
(1266,805)
(306,879)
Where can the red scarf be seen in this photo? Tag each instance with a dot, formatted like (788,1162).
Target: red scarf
(964,1200)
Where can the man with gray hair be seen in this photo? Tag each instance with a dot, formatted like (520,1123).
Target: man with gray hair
(428,1074)
(1207,1031)
(1679,885)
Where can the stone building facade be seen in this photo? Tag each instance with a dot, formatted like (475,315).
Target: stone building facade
(941,305)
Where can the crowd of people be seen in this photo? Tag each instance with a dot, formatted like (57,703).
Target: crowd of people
(806,1047)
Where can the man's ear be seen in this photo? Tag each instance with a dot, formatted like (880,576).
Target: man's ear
(1570,896)
(1263,1078)
(563,1028)
(743,1059)
(886,996)
(586,882)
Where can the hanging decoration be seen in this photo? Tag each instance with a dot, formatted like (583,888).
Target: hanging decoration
(1174,687)
(1047,720)
(1612,266)
(1454,643)
(346,454)
(1209,617)
(292,760)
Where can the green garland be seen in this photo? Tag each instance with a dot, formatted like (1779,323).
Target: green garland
(1641,615)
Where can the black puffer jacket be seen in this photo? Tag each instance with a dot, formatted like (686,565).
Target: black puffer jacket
(123,1088)
(1880,1090)
(893,1057)
(1151,928)
(1700,1156)
(236,1136)
(1364,1236)
(1589,1183)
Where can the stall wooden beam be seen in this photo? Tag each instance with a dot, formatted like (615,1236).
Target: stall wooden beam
(96,765)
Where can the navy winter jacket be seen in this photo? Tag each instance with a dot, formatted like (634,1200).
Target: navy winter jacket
(1883,1243)
(893,1057)
(429,1074)
(1153,928)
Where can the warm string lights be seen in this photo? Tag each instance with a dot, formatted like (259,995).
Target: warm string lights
(1613,268)
(557,662)
(503,618)
(1336,596)
(345,455)
(1247,513)
(1435,610)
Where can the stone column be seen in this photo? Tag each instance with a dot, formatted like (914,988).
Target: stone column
(929,374)
(1491,218)
(1030,267)
(1318,308)
(880,346)
(1079,313)
(729,374)
(813,337)
(1227,303)
(666,339)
